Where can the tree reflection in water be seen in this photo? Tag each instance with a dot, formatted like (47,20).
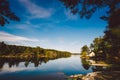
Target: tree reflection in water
(15,61)
(106,68)
(86,65)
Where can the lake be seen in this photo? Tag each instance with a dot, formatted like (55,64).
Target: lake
(51,70)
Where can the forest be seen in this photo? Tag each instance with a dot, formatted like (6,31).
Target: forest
(106,48)
(15,51)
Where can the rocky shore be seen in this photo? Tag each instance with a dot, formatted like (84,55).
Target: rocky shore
(100,75)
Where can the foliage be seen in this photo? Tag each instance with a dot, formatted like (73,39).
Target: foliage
(85,64)
(96,45)
(5,13)
(85,8)
(30,52)
(83,54)
(85,51)
(109,46)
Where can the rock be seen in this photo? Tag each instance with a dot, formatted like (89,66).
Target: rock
(75,76)
(71,76)
(100,75)
(104,75)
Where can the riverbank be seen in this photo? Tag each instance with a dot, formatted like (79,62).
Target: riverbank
(99,75)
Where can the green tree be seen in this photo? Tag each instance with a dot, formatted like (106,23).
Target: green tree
(27,50)
(5,13)
(99,46)
(96,44)
(85,48)
(111,40)
(85,64)
(85,8)
(85,51)
(34,53)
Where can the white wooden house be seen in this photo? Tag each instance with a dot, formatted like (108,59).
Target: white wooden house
(92,54)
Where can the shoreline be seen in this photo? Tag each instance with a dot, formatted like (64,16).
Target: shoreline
(99,75)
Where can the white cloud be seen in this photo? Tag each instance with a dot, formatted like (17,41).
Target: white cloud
(35,10)
(62,44)
(13,38)
(69,15)
(59,43)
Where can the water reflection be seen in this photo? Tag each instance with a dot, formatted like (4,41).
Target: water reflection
(65,64)
(69,66)
(87,64)
(106,68)
(15,62)
(45,67)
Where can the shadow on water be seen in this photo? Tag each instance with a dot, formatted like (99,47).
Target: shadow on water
(106,68)
(45,69)
(15,61)
(87,64)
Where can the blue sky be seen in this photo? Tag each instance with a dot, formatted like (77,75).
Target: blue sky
(48,24)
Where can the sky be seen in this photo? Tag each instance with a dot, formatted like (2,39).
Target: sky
(49,24)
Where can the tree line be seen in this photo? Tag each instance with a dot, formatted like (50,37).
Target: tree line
(30,52)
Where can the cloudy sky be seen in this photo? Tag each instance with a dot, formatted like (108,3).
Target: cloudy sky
(48,24)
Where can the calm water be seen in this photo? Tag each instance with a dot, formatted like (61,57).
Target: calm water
(51,69)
